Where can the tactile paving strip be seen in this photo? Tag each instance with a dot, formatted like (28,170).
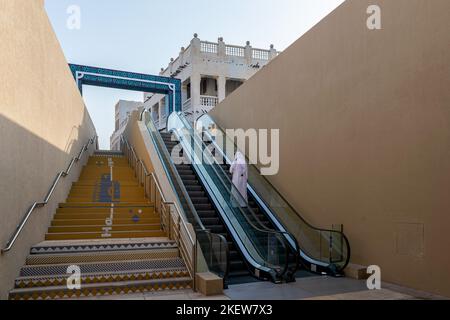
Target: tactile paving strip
(30,271)
(102,257)
(29,282)
(102,247)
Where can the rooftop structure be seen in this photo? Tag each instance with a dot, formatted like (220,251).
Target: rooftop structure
(209,72)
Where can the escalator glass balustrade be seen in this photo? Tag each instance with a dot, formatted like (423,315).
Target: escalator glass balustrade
(266,250)
(321,250)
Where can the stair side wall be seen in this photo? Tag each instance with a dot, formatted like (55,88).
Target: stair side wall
(43,124)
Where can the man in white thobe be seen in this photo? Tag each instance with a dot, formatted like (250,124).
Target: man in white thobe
(240,175)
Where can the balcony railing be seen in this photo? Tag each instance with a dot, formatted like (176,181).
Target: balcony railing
(209,47)
(260,54)
(235,51)
(209,101)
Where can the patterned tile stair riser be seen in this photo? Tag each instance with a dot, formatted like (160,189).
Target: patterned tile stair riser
(133,254)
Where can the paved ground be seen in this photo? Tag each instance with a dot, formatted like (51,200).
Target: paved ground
(310,288)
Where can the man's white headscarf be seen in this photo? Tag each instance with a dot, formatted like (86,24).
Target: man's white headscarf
(239,158)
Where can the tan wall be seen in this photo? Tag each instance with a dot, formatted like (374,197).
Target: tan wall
(43,124)
(365,133)
(138,137)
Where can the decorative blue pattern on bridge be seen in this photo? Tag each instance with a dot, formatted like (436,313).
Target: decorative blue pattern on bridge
(85,75)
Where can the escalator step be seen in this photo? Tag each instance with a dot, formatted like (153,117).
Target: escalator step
(183,167)
(202,200)
(194,188)
(234,255)
(207,214)
(216,228)
(188,177)
(197,194)
(191,182)
(184,172)
(211,221)
(203,206)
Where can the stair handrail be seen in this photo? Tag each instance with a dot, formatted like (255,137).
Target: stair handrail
(155,180)
(199,227)
(49,195)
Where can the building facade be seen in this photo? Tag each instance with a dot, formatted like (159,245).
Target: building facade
(209,72)
(123,110)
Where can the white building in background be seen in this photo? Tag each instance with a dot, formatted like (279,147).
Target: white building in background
(209,72)
(123,110)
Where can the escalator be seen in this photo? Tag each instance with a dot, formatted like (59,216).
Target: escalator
(255,251)
(322,251)
(207,213)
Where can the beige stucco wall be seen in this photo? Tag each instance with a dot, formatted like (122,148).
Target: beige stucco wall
(365,133)
(43,124)
(139,138)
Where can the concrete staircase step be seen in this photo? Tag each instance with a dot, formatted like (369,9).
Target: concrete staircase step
(104,215)
(130,275)
(101,235)
(97,222)
(109,288)
(99,228)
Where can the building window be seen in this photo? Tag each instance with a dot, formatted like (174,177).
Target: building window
(203,86)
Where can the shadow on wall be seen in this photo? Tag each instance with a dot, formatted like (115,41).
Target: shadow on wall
(28,167)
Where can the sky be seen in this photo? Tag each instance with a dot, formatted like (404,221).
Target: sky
(142,35)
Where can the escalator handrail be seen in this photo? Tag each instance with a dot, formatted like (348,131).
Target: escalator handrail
(203,146)
(342,234)
(295,246)
(178,178)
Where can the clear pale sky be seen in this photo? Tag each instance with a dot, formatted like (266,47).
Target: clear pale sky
(142,35)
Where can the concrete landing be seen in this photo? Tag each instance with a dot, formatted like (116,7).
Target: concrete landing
(324,288)
(311,288)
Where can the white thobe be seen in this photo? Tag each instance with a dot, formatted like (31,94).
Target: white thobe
(240,176)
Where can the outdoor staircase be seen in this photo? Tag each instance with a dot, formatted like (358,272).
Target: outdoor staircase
(109,232)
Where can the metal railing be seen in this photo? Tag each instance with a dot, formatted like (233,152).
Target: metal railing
(172,221)
(42,204)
